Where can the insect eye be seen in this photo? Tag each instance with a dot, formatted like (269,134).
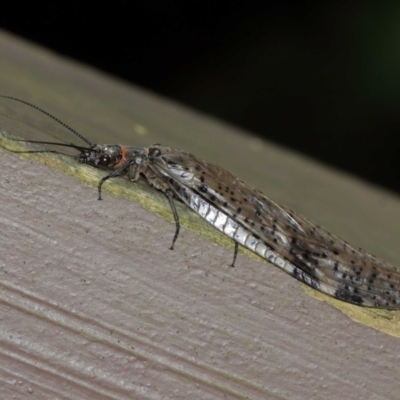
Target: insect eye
(104,160)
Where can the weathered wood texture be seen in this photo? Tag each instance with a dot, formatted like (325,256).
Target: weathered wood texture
(93,305)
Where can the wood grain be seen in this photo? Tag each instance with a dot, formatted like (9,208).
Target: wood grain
(94,305)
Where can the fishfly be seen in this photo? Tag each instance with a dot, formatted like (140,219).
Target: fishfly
(283,237)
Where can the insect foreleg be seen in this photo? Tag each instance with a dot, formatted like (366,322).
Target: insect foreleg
(113,174)
(170,198)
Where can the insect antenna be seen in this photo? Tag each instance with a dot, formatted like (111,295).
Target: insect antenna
(80,148)
(52,117)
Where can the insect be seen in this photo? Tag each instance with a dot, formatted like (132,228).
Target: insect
(286,239)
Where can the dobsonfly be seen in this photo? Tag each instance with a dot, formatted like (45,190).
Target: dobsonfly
(286,239)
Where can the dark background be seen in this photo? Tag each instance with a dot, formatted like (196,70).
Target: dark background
(320,77)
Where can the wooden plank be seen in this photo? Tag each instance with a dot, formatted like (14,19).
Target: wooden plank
(94,305)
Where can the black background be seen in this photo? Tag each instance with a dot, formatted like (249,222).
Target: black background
(319,77)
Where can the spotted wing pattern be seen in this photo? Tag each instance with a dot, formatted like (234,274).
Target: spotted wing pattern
(293,243)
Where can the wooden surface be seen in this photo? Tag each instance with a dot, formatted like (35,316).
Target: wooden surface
(95,306)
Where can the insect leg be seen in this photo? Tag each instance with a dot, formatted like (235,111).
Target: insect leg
(113,175)
(235,251)
(170,198)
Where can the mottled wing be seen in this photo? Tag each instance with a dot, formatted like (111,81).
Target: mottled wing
(314,255)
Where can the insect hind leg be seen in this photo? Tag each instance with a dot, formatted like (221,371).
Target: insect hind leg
(235,252)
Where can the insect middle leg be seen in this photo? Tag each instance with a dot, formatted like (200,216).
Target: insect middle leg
(170,198)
